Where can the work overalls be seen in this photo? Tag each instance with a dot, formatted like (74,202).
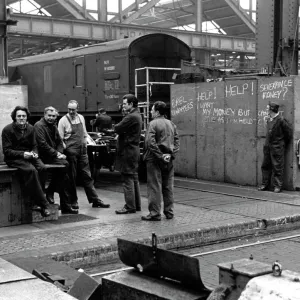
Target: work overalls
(76,152)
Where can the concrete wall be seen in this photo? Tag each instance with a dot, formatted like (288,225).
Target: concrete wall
(222,127)
(10,97)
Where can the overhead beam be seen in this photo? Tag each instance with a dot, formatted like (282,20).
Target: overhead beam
(244,17)
(75,9)
(130,8)
(142,10)
(29,25)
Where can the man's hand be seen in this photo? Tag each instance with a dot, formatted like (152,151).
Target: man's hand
(166,157)
(28,155)
(34,155)
(61,156)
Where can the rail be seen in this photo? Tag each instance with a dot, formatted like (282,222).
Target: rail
(145,106)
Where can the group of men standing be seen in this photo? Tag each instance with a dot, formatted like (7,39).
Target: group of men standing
(160,147)
(28,148)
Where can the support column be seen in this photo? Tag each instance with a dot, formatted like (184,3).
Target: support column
(120,11)
(3,42)
(102,10)
(199,14)
(84,8)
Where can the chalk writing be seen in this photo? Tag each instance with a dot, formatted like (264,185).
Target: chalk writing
(180,109)
(178,101)
(207,95)
(275,89)
(235,90)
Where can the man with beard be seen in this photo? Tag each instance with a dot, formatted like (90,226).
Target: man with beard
(50,148)
(20,151)
(73,132)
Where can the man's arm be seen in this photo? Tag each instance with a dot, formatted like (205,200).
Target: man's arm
(152,144)
(40,137)
(124,124)
(176,141)
(7,147)
(84,128)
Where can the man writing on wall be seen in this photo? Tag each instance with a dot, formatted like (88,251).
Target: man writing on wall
(128,154)
(20,151)
(50,148)
(161,146)
(73,132)
(279,133)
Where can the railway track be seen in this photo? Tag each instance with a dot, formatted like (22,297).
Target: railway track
(283,247)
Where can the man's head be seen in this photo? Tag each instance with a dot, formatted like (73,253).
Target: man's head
(73,108)
(158,109)
(20,115)
(273,108)
(102,111)
(50,114)
(129,102)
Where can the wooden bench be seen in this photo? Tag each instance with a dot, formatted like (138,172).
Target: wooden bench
(15,206)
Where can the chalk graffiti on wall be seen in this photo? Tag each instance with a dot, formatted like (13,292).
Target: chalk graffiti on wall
(276,89)
(180,105)
(236,90)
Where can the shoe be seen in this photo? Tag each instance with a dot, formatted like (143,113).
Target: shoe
(138,209)
(151,218)
(277,190)
(75,206)
(124,211)
(70,211)
(169,216)
(263,188)
(36,208)
(50,197)
(101,204)
(45,212)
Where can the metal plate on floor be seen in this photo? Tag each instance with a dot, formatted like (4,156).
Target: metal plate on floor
(162,263)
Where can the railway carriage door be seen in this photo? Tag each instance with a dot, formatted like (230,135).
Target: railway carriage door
(91,83)
(79,82)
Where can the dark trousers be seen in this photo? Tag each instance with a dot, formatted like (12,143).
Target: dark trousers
(160,183)
(131,188)
(79,162)
(273,165)
(60,181)
(32,174)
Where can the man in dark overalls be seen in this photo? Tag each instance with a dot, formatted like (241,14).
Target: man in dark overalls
(279,133)
(73,132)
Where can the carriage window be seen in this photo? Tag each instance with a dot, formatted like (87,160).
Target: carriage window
(47,79)
(79,75)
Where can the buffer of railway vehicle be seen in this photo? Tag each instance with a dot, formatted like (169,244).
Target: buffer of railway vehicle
(31,26)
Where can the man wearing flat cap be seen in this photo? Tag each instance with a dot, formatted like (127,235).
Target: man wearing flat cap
(279,133)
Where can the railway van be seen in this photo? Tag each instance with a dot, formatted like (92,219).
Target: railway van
(98,76)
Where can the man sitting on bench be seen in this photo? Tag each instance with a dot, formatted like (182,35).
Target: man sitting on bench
(50,147)
(20,151)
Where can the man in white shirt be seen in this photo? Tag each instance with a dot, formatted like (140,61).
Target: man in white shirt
(73,132)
